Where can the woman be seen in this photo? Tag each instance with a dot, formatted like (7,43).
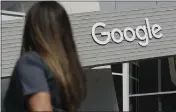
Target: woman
(48,75)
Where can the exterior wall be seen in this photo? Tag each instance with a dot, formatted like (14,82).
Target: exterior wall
(79,7)
(127,5)
(135,4)
(72,6)
(9,15)
(23,7)
(5,17)
(166,3)
(94,54)
(120,6)
(82,23)
(151,77)
(15,7)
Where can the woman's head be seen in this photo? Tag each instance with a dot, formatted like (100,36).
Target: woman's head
(47,25)
(48,31)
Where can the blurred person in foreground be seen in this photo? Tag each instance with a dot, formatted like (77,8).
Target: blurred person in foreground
(48,75)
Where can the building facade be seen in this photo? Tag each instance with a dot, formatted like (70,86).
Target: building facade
(148,77)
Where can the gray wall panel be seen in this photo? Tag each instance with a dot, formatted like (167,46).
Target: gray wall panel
(160,3)
(117,59)
(7,47)
(107,6)
(92,54)
(134,4)
(121,13)
(133,22)
(166,28)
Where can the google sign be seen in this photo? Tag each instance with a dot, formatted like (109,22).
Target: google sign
(149,33)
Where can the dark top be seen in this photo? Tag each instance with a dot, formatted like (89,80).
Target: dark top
(31,75)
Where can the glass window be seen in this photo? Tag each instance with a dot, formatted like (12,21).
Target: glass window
(144,104)
(168,74)
(155,88)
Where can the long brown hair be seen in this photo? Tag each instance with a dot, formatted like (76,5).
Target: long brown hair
(48,31)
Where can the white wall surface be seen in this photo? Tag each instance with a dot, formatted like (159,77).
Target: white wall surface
(171,2)
(71,7)
(6,17)
(79,7)
(126,5)
(132,5)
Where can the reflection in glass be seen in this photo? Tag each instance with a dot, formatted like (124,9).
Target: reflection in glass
(172,69)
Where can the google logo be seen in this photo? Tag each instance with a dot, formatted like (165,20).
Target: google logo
(149,33)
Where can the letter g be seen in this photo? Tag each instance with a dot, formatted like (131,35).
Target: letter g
(102,33)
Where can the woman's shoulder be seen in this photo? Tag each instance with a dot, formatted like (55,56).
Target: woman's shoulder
(32,56)
(30,72)
(29,58)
